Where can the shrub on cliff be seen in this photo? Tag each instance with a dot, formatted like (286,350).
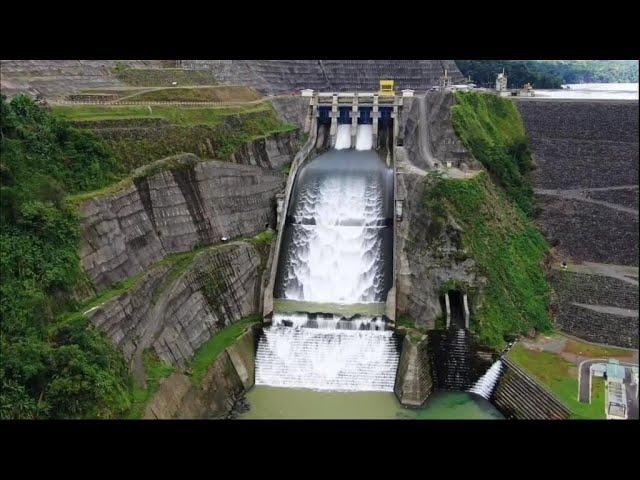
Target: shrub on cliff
(52,367)
(492,129)
(507,248)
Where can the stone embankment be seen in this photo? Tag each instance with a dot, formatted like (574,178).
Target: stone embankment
(586,184)
(428,135)
(598,308)
(518,396)
(58,78)
(127,231)
(276,76)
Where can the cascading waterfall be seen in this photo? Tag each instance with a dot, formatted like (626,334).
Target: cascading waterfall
(337,233)
(487,383)
(352,358)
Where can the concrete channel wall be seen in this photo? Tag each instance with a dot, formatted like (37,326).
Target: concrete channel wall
(304,155)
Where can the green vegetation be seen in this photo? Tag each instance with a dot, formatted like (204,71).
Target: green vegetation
(560,376)
(507,248)
(491,128)
(405,321)
(209,350)
(53,365)
(264,238)
(175,114)
(549,73)
(209,132)
(155,370)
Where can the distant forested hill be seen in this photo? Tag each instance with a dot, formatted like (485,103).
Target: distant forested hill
(550,73)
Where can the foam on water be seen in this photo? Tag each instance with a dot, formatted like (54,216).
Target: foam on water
(326,359)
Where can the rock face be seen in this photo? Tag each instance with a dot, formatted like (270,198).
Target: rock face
(428,251)
(228,377)
(414,381)
(428,133)
(520,397)
(272,152)
(292,109)
(174,211)
(175,316)
(277,76)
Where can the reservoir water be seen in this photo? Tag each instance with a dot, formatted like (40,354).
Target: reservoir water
(593,91)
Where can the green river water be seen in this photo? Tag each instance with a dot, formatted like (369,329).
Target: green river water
(287,403)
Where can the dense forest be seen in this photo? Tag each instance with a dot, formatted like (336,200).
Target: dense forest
(549,73)
(54,365)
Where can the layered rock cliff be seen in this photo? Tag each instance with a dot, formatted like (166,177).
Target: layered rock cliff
(174,309)
(176,210)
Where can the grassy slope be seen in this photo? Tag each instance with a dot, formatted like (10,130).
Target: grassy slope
(200,94)
(508,250)
(207,353)
(178,115)
(155,370)
(204,131)
(561,377)
(492,129)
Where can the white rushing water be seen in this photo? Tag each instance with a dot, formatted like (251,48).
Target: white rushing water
(335,256)
(337,242)
(327,359)
(364,137)
(343,137)
(485,385)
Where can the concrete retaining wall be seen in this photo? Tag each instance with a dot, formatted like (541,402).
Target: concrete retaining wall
(518,396)
(414,381)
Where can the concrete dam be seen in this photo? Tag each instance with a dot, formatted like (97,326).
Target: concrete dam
(335,264)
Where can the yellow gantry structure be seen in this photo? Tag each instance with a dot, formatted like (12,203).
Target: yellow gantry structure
(386,88)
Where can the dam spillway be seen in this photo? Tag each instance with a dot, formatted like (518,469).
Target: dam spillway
(337,248)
